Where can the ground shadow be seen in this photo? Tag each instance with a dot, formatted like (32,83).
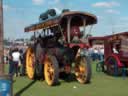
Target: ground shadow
(19,93)
(68,77)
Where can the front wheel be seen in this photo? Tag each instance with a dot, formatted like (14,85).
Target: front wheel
(51,70)
(83,69)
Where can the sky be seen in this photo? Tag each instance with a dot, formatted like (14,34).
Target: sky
(112,14)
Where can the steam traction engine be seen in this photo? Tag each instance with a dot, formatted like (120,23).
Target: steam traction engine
(115,52)
(59,46)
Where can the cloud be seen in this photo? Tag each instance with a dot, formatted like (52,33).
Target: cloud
(58,11)
(121,27)
(53,2)
(10,8)
(99,17)
(56,1)
(123,19)
(122,22)
(6,7)
(16,26)
(106,4)
(38,2)
(112,11)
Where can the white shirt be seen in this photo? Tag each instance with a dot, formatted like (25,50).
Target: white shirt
(95,51)
(115,51)
(102,51)
(16,56)
(91,50)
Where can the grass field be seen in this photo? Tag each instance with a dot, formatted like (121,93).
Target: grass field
(101,85)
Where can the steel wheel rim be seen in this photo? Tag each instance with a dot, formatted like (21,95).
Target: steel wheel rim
(49,72)
(30,63)
(81,71)
(111,65)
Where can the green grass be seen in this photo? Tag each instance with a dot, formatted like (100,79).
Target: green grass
(101,85)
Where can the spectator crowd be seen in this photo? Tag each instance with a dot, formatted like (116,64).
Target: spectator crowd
(96,53)
(16,61)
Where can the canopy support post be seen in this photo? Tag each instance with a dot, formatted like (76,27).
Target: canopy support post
(84,25)
(68,29)
(90,31)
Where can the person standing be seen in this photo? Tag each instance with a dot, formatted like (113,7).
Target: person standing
(21,62)
(101,54)
(95,53)
(16,59)
(91,53)
(10,61)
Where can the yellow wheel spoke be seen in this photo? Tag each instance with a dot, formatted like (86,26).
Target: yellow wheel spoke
(80,70)
(51,70)
(30,63)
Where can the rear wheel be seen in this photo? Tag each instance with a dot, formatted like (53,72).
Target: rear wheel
(83,69)
(112,66)
(30,59)
(51,70)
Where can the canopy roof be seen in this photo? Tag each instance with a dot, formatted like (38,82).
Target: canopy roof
(114,37)
(61,19)
(118,34)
